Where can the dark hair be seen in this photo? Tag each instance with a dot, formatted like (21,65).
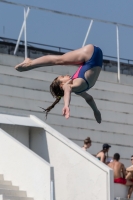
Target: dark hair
(106,146)
(87,140)
(116,156)
(56,92)
(132,156)
(104,151)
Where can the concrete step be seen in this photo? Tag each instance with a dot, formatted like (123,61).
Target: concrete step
(1,177)
(45,95)
(90,124)
(111,96)
(75,122)
(10,187)
(36,75)
(24,83)
(10,60)
(7,197)
(14,193)
(111,112)
(3,182)
(100,85)
(96,136)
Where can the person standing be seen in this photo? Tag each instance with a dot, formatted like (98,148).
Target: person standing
(87,143)
(103,154)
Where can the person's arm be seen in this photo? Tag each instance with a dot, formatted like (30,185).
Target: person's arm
(129,169)
(67,97)
(123,171)
(89,99)
(103,158)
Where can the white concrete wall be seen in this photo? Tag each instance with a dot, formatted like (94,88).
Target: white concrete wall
(121,191)
(77,174)
(24,168)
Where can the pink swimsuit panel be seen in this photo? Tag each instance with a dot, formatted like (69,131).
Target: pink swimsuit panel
(77,73)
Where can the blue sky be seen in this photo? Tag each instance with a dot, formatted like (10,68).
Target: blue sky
(68,32)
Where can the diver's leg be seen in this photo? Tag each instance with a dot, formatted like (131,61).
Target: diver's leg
(76,57)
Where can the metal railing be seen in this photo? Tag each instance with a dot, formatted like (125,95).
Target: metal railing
(27,9)
(43,47)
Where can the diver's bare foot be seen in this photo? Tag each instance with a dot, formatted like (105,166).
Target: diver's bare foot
(97,115)
(24,66)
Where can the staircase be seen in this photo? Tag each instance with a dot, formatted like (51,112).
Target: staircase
(10,192)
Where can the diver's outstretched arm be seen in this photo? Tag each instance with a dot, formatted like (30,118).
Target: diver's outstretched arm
(67,98)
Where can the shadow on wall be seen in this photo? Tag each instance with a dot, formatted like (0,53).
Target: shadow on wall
(20,133)
(38,143)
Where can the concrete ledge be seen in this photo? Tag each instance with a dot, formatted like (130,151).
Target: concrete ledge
(120,190)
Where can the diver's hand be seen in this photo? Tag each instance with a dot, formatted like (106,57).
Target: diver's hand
(66,112)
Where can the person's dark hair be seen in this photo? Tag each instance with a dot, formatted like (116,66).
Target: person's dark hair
(116,156)
(56,92)
(87,140)
(106,146)
(132,156)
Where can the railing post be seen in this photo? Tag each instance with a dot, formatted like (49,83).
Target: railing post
(52,190)
(21,31)
(88,31)
(118,53)
(25,34)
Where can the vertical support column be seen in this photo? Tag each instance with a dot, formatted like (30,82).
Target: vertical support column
(52,191)
(21,31)
(25,34)
(88,31)
(118,53)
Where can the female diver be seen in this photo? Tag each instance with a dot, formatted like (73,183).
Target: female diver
(89,58)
